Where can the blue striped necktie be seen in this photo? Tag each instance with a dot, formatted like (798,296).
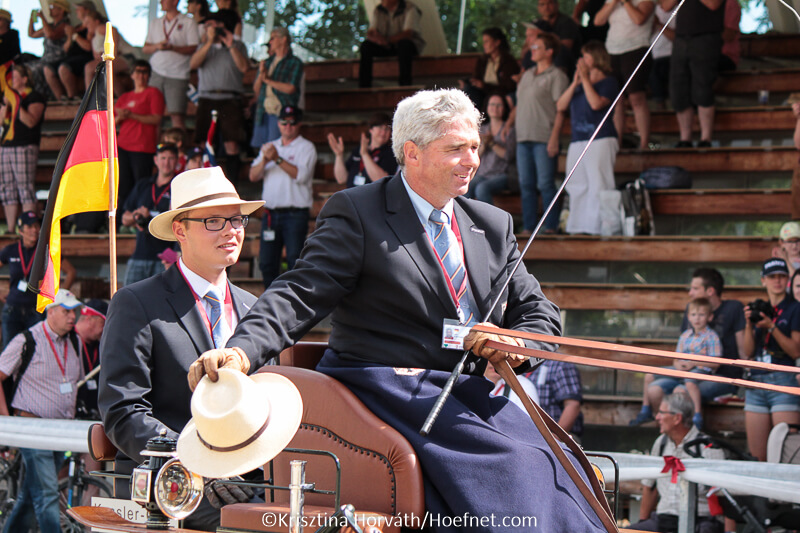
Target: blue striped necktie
(446,246)
(220,331)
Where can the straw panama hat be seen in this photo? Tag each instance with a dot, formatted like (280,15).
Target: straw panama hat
(195,189)
(239,423)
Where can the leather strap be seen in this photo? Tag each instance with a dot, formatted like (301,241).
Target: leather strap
(593,493)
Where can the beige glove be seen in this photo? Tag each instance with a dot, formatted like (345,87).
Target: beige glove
(212,360)
(476,342)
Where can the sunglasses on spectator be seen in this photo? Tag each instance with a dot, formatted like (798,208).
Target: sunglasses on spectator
(287,122)
(218,223)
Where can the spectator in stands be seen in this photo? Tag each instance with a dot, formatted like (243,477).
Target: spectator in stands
(537,125)
(199,11)
(590,32)
(630,23)
(694,64)
(9,38)
(788,247)
(729,324)
(587,99)
(138,115)
(560,392)
(731,49)
(221,62)
(66,83)
(194,158)
(19,148)
(394,31)
(19,309)
(277,85)
(231,6)
(96,24)
(771,336)
(662,51)
(287,167)
(176,136)
(661,498)
(172,39)
(148,199)
(372,160)
(502,389)
(496,152)
(46,389)
(89,329)
(54,34)
(567,31)
(564,58)
(494,70)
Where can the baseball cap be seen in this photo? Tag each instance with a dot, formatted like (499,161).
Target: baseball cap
(65,299)
(790,230)
(775,265)
(4,14)
(539,24)
(28,218)
(290,111)
(95,307)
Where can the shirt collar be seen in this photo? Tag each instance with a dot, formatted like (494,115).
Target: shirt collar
(199,285)
(422,207)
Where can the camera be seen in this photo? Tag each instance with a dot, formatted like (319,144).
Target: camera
(759,306)
(219,32)
(141,220)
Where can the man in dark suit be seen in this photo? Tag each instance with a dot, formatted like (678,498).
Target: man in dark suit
(378,263)
(156,328)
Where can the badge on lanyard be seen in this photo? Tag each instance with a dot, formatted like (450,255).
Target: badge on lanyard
(65,388)
(766,357)
(91,384)
(359,179)
(268,235)
(22,286)
(453,333)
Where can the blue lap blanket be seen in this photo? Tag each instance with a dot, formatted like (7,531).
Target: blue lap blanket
(486,467)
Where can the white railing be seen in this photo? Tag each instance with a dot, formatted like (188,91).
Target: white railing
(45,434)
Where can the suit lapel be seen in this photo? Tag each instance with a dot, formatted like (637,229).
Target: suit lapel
(185,307)
(475,253)
(238,303)
(403,220)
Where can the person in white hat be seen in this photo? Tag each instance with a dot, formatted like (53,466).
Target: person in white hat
(788,247)
(45,362)
(155,329)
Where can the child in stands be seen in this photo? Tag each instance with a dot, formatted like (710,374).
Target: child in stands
(699,339)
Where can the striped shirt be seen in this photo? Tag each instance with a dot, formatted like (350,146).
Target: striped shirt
(40,391)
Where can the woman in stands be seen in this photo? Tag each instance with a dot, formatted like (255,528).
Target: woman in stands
(54,34)
(19,148)
(630,23)
(587,99)
(372,160)
(534,118)
(496,152)
(771,335)
(494,69)
(65,81)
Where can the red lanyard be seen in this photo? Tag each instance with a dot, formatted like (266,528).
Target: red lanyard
(202,308)
(160,196)
(372,153)
(450,287)
(25,268)
(91,361)
(164,26)
(61,366)
(774,320)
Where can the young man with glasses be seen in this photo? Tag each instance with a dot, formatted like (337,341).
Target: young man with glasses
(156,328)
(286,166)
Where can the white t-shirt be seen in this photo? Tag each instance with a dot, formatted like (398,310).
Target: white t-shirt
(180,31)
(280,190)
(624,35)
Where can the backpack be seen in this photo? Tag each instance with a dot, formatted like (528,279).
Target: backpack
(666,178)
(25,360)
(637,215)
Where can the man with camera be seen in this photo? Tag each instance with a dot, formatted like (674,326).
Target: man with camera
(149,198)
(772,335)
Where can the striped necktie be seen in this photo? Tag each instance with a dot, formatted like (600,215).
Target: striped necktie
(446,246)
(220,331)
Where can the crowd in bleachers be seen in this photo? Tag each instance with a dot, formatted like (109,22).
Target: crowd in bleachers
(565,73)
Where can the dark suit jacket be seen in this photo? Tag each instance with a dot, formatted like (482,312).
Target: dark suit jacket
(153,333)
(371,264)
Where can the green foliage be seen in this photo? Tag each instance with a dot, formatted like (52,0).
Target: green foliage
(335,28)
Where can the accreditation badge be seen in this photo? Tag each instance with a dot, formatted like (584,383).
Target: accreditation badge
(453,334)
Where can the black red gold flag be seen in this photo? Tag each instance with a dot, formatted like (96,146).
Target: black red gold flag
(80,184)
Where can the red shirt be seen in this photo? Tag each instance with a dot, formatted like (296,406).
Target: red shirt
(133,135)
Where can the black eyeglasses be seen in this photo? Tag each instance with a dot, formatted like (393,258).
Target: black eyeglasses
(287,123)
(218,223)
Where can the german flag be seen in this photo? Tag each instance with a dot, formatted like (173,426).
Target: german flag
(80,184)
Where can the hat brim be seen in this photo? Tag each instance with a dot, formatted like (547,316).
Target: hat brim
(286,410)
(161,225)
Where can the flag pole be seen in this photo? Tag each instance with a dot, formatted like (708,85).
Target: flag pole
(108,57)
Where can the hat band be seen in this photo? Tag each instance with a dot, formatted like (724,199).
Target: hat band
(207,198)
(235,446)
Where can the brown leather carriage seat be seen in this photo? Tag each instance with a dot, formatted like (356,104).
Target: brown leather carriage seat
(380,475)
